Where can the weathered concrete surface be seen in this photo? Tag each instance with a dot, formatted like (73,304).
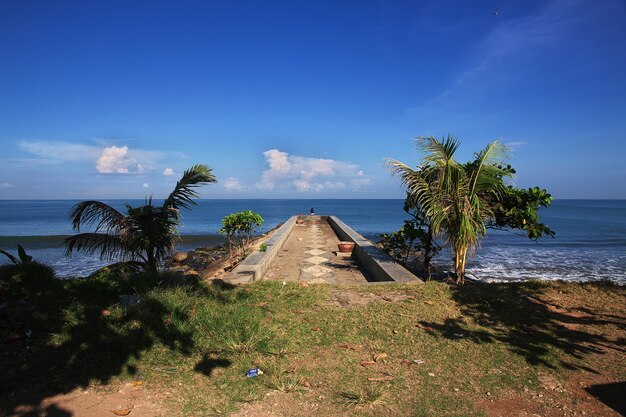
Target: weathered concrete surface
(256,264)
(308,252)
(377,265)
(310,255)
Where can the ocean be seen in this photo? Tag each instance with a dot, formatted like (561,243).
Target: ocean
(590,243)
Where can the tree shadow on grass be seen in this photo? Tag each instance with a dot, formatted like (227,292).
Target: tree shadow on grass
(76,338)
(516,314)
(207,365)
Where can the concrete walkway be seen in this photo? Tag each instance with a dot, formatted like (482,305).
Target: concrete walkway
(310,255)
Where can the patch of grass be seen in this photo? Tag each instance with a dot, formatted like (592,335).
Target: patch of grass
(445,347)
(278,377)
(366,397)
(282,347)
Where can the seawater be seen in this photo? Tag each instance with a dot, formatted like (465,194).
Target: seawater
(590,243)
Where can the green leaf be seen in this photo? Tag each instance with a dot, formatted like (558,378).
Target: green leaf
(11,257)
(22,254)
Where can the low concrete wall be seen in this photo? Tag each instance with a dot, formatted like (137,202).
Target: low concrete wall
(253,268)
(378,266)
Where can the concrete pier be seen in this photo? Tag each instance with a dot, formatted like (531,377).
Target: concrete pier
(305,249)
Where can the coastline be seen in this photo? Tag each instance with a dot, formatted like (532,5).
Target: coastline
(490,265)
(590,243)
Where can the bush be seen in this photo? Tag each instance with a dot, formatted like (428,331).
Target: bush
(112,282)
(239,228)
(27,279)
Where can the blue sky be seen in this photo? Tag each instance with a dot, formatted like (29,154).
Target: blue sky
(305,99)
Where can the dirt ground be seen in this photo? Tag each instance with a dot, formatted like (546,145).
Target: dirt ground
(132,399)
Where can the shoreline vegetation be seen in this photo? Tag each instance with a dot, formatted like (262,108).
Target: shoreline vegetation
(453,204)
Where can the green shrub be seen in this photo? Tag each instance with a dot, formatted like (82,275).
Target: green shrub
(111,283)
(239,228)
(21,258)
(27,279)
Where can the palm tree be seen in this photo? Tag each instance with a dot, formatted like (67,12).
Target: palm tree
(143,236)
(454,196)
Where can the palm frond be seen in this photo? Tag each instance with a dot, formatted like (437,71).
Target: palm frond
(484,172)
(24,257)
(153,227)
(401,171)
(494,152)
(438,151)
(11,258)
(422,191)
(122,267)
(109,247)
(184,193)
(90,213)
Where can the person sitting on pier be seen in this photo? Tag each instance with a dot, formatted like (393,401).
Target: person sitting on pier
(312,211)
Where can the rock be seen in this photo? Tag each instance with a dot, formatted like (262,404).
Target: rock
(318,281)
(208,262)
(549,383)
(191,273)
(129,300)
(183,277)
(176,279)
(180,257)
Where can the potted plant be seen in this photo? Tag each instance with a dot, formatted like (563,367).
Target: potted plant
(345,247)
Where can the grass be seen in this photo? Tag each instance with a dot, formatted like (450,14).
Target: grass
(365,397)
(448,349)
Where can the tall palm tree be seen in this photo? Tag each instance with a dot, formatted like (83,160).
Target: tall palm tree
(454,195)
(144,235)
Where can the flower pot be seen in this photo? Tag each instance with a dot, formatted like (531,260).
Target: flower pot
(346,247)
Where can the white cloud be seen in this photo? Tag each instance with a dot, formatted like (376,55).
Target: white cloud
(279,161)
(146,185)
(108,159)
(29,162)
(360,180)
(148,160)
(179,155)
(308,174)
(232,184)
(304,185)
(168,172)
(515,144)
(6,185)
(115,160)
(60,151)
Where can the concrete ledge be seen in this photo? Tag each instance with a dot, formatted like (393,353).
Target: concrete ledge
(253,268)
(378,266)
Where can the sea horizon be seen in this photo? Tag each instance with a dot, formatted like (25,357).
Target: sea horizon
(268,199)
(590,241)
